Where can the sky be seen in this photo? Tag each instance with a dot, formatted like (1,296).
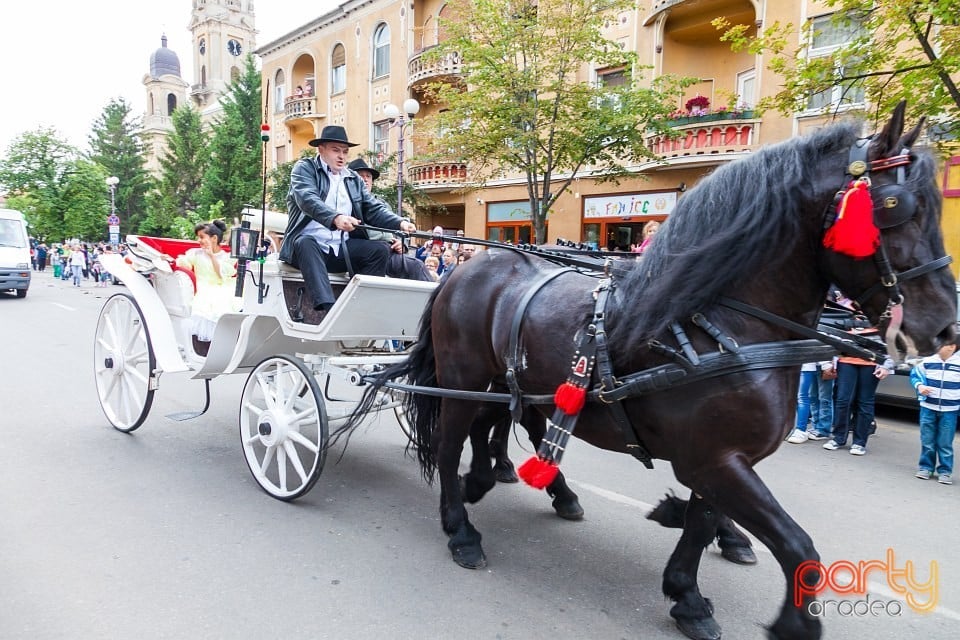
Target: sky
(50,51)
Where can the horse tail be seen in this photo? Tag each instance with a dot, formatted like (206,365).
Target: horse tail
(423,411)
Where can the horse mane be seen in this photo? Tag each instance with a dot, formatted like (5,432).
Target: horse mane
(735,222)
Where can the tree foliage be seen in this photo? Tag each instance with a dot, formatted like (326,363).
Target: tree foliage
(527,104)
(115,145)
(34,173)
(234,173)
(894,51)
(84,207)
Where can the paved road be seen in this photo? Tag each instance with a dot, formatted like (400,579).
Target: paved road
(164,534)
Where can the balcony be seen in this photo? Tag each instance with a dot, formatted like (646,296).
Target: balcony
(300,109)
(420,71)
(709,135)
(441,174)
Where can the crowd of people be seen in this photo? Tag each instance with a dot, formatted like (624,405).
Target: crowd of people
(836,401)
(74,261)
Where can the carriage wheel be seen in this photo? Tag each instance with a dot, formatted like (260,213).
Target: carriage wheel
(283,427)
(123,363)
(401,413)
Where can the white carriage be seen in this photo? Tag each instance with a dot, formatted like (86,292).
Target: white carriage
(285,408)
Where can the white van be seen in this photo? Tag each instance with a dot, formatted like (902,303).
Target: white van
(14,253)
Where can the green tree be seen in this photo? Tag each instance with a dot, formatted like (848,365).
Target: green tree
(526,104)
(83,205)
(234,173)
(172,207)
(891,51)
(34,172)
(115,145)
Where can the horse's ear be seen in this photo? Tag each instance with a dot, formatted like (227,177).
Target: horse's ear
(885,143)
(906,142)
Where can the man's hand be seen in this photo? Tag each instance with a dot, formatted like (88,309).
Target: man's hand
(407,226)
(396,246)
(345,223)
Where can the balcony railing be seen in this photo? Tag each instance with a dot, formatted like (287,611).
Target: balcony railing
(420,71)
(438,174)
(299,108)
(707,135)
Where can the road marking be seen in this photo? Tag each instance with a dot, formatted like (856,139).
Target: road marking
(63,306)
(877,588)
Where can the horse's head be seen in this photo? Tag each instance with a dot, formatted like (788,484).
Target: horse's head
(908,266)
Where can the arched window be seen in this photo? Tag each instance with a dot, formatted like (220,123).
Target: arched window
(234,74)
(171,103)
(279,90)
(381,51)
(338,75)
(203,76)
(153,107)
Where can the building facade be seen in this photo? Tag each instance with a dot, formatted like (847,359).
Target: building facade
(355,60)
(222,33)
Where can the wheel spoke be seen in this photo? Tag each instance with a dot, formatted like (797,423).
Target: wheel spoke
(309,412)
(304,441)
(111,385)
(251,407)
(267,458)
(282,467)
(294,458)
(265,387)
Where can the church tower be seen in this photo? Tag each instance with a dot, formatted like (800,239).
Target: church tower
(223,33)
(166,90)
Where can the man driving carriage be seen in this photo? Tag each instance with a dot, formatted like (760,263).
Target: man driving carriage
(326,202)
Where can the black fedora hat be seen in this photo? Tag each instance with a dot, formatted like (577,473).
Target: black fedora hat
(332,133)
(361,165)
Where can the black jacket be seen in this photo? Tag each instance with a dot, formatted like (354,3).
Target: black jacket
(309,185)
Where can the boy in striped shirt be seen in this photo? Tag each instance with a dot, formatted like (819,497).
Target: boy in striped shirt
(937,381)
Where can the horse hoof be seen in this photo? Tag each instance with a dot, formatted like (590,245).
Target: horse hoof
(739,555)
(469,558)
(568,510)
(700,629)
(506,475)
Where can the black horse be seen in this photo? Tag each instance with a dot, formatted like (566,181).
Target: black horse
(753,232)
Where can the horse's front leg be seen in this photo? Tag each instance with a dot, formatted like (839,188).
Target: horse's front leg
(739,491)
(456,418)
(734,544)
(692,612)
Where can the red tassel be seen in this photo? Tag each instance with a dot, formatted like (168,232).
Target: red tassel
(854,233)
(570,398)
(537,472)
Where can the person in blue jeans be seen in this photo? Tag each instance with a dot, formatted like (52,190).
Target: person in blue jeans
(805,402)
(937,381)
(857,381)
(821,395)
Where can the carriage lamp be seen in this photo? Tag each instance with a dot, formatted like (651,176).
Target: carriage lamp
(244,242)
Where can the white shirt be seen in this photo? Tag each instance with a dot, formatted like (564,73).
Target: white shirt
(337,199)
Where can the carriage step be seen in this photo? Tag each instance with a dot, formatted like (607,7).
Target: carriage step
(183,416)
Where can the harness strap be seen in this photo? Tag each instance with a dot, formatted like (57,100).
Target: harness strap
(909,274)
(513,356)
(840,344)
(608,381)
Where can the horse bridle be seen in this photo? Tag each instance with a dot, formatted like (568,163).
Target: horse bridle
(893,205)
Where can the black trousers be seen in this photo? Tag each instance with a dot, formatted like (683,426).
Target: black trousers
(368,257)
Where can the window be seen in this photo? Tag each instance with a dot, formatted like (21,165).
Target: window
(746,86)
(171,103)
(279,90)
(338,75)
(611,79)
(829,33)
(381,140)
(381,51)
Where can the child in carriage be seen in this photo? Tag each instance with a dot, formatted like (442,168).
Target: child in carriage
(215,273)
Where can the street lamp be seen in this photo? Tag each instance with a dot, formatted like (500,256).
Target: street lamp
(112,183)
(410,108)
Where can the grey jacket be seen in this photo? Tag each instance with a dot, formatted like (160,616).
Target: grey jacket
(306,201)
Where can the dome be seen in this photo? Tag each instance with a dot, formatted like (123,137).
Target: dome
(164,61)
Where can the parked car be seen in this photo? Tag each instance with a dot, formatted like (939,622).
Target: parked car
(14,253)
(896,390)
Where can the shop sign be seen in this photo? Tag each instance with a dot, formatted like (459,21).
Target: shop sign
(630,205)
